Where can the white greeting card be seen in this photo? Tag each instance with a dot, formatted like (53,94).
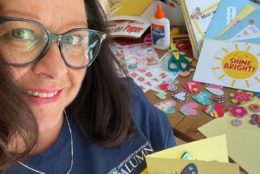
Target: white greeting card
(230,64)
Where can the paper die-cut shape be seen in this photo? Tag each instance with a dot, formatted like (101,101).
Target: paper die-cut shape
(203,98)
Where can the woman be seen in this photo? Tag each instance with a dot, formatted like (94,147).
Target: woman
(89,120)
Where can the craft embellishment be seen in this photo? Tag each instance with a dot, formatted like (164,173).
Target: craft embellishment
(189,108)
(166,106)
(164,86)
(186,156)
(236,122)
(169,85)
(215,89)
(214,110)
(255,107)
(219,99)
(203,98)
(241,97)
(191,168)
(192,86)
(180,96)
(255,119)
(238,111)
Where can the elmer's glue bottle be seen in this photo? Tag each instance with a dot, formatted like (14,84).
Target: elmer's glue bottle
(160,29)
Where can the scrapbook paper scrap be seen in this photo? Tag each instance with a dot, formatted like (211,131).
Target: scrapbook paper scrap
(235,65)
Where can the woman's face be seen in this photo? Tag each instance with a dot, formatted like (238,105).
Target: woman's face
(49,85)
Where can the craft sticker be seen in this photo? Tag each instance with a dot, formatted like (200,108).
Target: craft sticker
(237,65)
(236,122)
(203,98)
(189,109)
(161,95)
(191,168)
(238,111)
(215,89)
(167,106)
(219,99)
(180,96)
(214,110)
(192,86)
(255,119)
(255,107)
(187,156)
(241,97)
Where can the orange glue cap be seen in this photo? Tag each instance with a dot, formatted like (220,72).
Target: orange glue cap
(159,12)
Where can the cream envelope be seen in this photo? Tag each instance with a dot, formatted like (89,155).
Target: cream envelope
(243,143)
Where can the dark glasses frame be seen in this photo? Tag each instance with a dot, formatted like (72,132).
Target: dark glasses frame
(52,37)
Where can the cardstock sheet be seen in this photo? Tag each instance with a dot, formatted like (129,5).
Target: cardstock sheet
(230,64)
(209,149)
(242,143)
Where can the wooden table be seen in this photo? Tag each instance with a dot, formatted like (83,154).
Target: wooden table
(186,127)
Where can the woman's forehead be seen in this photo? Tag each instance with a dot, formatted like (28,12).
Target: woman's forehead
(51,13)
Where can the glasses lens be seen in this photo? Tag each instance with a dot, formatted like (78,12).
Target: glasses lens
(81,47)
(21,42)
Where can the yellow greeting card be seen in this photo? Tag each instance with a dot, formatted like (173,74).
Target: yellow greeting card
(208,156)
(178,166)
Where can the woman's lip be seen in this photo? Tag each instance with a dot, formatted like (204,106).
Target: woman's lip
(40,97)
(41,90)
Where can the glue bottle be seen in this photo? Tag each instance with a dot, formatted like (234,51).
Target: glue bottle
(160,29)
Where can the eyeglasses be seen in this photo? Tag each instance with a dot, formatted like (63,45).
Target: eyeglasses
(24,42)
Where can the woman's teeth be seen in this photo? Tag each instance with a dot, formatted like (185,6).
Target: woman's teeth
(41,94)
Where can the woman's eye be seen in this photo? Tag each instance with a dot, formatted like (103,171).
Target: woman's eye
(72,40)
(23,34)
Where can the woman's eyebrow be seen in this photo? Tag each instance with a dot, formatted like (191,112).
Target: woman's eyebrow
(15,13)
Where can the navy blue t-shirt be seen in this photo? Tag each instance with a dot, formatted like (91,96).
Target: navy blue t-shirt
(154,134)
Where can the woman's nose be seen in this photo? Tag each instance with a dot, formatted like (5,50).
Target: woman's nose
(51,64)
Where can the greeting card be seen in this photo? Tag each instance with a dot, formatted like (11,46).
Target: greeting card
(199,157)
(235,65)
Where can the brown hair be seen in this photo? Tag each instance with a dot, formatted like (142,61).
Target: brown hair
(16,122)
(102,107)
